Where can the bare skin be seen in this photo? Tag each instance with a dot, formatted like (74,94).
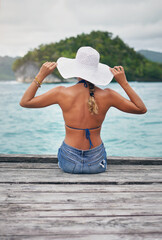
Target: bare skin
(73,102)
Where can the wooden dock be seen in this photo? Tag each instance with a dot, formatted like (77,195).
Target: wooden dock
(39,201)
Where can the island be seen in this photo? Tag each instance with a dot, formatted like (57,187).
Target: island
(113,52)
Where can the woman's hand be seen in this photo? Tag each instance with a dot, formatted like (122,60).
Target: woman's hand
(46,69)
(119,74)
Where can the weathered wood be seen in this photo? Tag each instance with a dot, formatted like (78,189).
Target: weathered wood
(82,204)
(53,159)
(78,225)
(78,188)
(40,201)
(88,236)
(111,167)
(63,198)
(16,211)
(52,176)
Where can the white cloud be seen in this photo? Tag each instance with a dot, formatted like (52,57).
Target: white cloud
(26,24)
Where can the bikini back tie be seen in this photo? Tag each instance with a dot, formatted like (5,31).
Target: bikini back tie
(85,83)
(87,133)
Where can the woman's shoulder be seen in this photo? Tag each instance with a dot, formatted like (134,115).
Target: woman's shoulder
(64,91)
(105,91)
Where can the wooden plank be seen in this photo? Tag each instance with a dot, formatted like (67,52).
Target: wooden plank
(53,159)
(94,210)
(81,225)
(64,198)
(120,202)
(87,236)
(24,165)
(28,158)
(55,165)
(18,165)
(52,176)
(78,188)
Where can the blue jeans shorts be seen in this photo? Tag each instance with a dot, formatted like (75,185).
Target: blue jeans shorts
(73,160)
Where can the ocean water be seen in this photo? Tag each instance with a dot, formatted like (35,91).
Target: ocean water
(41,131)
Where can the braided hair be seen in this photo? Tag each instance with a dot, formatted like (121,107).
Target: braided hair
(92,105)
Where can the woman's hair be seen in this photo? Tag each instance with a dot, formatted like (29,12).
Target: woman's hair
(92,105)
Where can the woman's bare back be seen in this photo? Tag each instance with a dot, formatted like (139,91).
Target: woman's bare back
(74,105)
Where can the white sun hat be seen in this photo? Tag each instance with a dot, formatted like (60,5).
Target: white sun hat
(86,66)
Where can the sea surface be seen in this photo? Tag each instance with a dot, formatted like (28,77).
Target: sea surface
(41,130)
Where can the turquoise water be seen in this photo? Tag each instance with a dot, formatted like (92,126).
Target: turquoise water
(41,131)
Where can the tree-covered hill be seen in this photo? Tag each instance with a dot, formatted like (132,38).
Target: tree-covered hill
(6,72)
(113,52)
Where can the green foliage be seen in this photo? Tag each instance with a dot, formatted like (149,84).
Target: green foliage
(113,52)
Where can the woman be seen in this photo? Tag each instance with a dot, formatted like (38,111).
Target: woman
(84,107)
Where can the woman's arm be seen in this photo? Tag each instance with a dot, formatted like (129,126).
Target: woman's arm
(51,97)
(135,104)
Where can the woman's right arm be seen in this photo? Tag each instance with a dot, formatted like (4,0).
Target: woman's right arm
(135,104)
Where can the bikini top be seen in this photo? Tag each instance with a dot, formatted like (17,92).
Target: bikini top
(87,130)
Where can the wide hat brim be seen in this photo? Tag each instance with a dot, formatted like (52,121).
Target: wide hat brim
(71,68)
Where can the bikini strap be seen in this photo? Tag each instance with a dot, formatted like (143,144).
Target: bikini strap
(82,128)
(85,83)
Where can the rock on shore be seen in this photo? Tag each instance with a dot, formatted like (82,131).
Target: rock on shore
(28,71)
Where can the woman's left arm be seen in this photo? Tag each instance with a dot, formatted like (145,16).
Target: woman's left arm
(51,97)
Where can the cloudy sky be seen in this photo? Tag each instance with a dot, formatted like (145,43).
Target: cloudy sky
(25,24)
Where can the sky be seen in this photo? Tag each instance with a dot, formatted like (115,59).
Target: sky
(25,24)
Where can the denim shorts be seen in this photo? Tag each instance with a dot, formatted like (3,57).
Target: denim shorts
(73,160)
